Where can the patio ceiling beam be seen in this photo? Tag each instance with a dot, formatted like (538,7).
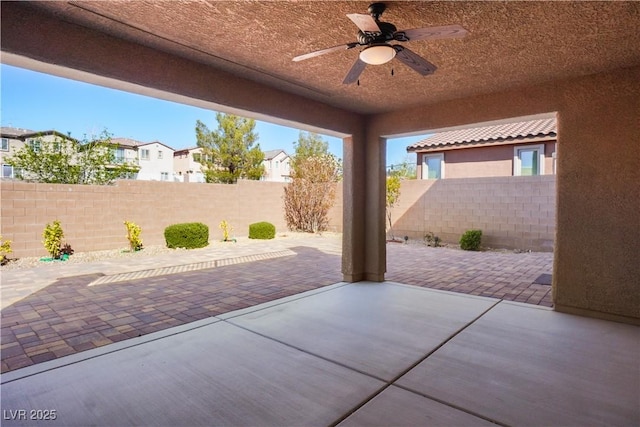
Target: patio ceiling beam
(62,48)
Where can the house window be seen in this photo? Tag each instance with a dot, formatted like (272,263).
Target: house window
(34,144)
(197,157)
(276,164)
(5,144)
(528,160)
(159,155)
(164,176)
(118,155)
(144,154)
(433,166)
(129,175)
(7,171)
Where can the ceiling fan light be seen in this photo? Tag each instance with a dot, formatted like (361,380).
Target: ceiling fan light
(377,54)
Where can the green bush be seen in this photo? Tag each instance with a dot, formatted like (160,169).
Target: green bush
(262,230)
(188,235)
(470,240)
(53,235)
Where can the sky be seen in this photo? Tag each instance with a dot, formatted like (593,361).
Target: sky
(37,101)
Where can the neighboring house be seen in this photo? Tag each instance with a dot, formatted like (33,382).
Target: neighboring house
(187,166)
(156,162)
(277,166)
(154,159)
(126,152)
(13,139)
(511,149)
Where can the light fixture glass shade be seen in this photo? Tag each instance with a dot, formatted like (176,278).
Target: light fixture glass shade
(378,54)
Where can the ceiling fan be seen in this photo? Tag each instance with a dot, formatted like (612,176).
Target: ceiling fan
(376,35)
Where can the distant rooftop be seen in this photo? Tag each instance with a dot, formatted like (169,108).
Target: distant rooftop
(11,132)
(127,142)
(518,131)
(270,154)
(18,133)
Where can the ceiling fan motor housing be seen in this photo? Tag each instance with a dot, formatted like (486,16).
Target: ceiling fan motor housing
(384,35)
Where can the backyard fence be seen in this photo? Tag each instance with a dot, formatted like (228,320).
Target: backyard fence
(513,212)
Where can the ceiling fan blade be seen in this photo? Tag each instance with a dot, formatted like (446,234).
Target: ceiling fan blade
(418,63)
(431,33)
(364,22)
(354,72)
(323,51)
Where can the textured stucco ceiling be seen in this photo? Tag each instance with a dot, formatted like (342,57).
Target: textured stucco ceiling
(510,44)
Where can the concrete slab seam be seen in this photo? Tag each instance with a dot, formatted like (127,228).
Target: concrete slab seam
(393,380)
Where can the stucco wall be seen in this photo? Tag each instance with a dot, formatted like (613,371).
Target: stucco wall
(485,161)
(512,212)
(596,270)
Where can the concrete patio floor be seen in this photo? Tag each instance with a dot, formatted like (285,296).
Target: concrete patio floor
(53,311)
(348,355)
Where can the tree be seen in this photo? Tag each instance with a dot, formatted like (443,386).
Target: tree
(309,144)
(69,161)
(405,170)
(311,192)
(393,194)
(228,153)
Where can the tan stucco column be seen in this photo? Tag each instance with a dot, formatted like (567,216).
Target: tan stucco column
(363,247)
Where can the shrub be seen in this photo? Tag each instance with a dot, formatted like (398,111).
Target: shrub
(226,229)
(66,249)
(53,235)
(432,240)
(262,230)
(311,193)
(133,235)
(5,248)
(189,235)
(470,240)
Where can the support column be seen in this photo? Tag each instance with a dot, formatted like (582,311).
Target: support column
(363,244)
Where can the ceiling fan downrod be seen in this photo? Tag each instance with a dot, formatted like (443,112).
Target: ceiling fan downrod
(376,10)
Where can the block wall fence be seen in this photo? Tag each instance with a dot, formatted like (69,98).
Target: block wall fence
(92,216)
(513,212)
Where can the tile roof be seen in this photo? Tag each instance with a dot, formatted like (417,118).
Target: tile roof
(270,154)
(128,142)
(487,134)
(12,132)
(22,134)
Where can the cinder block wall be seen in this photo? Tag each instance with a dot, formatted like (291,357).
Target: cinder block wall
(512,212)
(92,216)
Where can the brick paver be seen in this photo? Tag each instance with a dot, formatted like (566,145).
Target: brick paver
(68,316)
(503,275)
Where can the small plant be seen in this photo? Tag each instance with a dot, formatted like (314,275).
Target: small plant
(262,230)
(470,240)
(66,250)
(432,240)
(189,235)
(5,248)
(226,229)
(53,235)
(133,235)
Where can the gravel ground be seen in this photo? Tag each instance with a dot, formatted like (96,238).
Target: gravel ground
(82,257)
(148,251)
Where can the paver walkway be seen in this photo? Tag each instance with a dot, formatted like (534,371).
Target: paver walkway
(118,300)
